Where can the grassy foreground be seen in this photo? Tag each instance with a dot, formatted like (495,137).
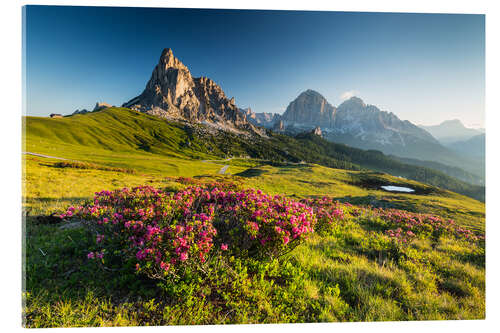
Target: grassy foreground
(349,274)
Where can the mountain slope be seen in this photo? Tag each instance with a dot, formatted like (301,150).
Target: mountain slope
(473,147)
(125,130)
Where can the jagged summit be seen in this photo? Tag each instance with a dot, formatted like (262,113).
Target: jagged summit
(310,92)
(173,93)
(353,122)
(310,108)
(168,60)
(353,102)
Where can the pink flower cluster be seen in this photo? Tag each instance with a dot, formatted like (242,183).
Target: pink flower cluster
(163,232)
(328,212)
(404,226)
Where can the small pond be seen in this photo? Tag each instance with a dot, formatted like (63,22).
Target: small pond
(397,188)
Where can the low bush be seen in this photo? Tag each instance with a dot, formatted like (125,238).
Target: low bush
(168,235)
(85,165)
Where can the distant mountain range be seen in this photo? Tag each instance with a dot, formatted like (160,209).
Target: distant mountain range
(363,126)
(450,131)
(465,141)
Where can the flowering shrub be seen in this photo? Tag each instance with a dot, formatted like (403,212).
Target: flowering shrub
(404,226)
(170,233)
(260,225)
(185,180)
(328,213)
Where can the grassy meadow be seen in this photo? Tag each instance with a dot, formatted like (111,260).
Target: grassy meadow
(351,272)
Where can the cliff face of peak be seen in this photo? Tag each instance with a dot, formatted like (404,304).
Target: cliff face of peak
(352,119)
(173,93)
(309,109)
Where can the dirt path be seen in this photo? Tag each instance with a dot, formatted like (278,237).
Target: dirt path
(46,156)
(224,168)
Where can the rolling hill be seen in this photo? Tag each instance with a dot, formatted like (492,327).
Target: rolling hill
(126,138)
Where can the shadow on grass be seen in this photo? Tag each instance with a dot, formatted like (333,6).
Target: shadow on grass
(252,172)
(315,183)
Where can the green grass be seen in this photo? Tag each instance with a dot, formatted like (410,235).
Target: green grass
(346,275)
(357,187)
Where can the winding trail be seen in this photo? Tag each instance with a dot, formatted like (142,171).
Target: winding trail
(224,168)
(46,156)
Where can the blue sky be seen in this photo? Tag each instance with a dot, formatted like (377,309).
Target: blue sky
(426,68)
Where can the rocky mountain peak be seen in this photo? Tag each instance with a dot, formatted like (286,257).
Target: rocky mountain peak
(310,108)
(168,60)
(173,93)
(101,105)
(353,103)
(453,123)
(310,93)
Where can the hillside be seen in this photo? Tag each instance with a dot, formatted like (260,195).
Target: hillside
(93,136)
(473,147)
(452,171)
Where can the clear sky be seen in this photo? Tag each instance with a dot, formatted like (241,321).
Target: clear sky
(426,68)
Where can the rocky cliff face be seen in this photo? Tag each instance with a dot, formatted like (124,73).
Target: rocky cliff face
(359,125)
(173,93)
(368,123)
(309,109)
(352,122)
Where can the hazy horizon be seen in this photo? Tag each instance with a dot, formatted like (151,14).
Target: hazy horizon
(426,68)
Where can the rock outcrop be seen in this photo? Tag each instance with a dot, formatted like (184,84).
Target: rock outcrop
(279,126)
(82,111)
(173,93)
(101,106)
(98,107)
